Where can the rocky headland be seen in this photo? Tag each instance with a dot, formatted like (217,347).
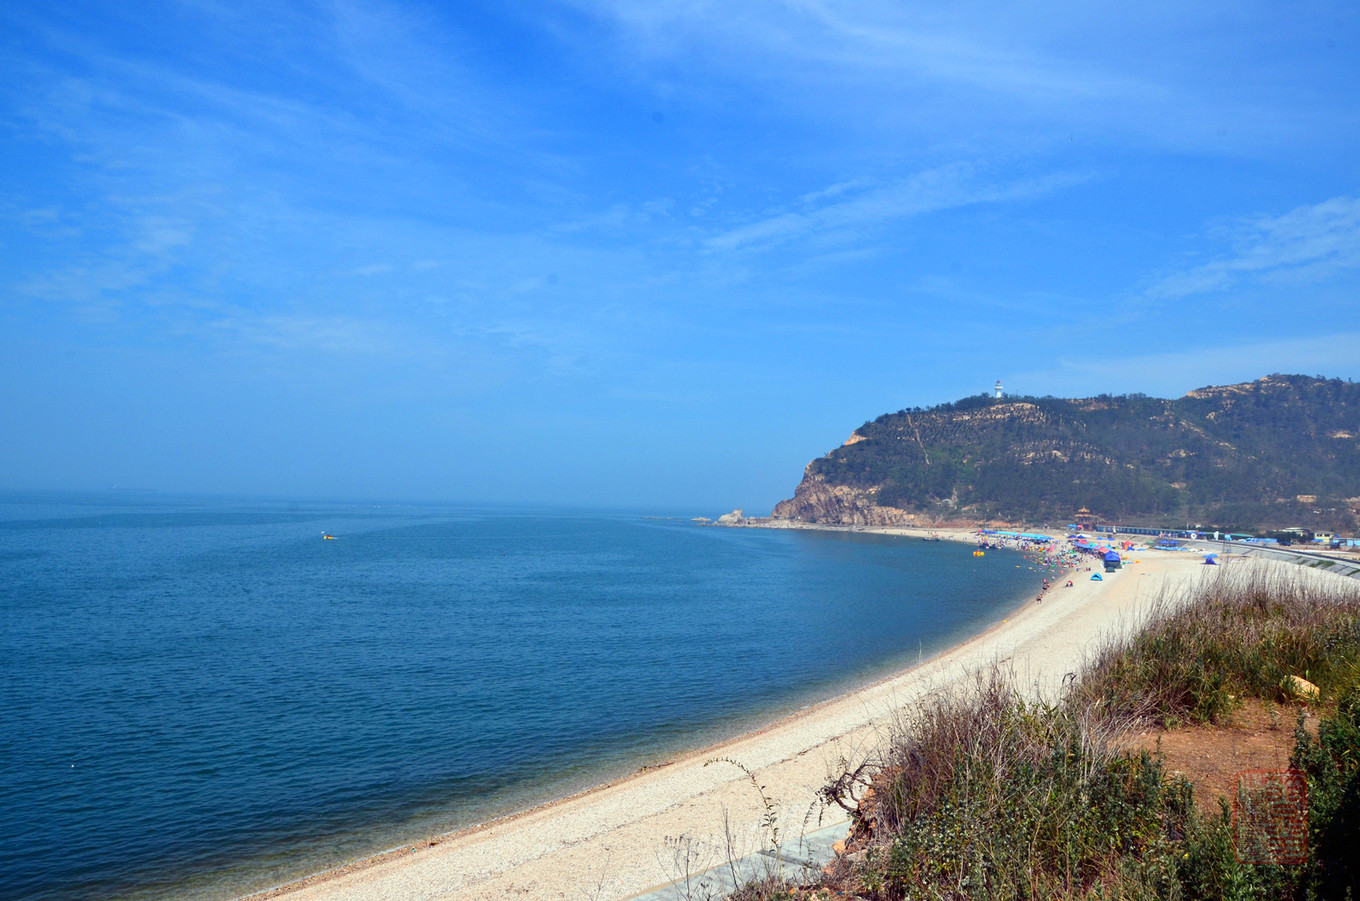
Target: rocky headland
(1280,452)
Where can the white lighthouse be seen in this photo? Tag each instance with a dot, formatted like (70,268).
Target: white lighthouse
(998,389)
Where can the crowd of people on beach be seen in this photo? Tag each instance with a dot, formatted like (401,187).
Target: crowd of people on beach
(1055,557)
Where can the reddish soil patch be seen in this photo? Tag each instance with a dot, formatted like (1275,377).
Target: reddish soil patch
(1260,736)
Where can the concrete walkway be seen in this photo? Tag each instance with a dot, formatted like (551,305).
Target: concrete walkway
(795,864)
(1313,560)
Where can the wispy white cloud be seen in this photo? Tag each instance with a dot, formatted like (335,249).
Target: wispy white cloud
(956,45)
(371,269)
(1171,374)
(332,335)
(1307,244)
(920,66)
(142,241)
(1204,77)
(161,234)
(853,205)
(619,217)
(836,190)
(959,49)
(396,49)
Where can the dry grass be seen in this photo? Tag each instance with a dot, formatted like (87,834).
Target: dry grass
(1241,635)
(986,795)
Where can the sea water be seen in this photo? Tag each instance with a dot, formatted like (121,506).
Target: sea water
(206,697)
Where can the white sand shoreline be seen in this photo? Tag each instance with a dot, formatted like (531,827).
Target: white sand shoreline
(620,839)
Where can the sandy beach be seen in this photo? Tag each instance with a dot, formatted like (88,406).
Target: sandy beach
(622,839)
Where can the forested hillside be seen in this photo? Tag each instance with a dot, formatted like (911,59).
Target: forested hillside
(1281,451)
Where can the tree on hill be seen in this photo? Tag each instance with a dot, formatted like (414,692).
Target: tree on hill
(1281,451)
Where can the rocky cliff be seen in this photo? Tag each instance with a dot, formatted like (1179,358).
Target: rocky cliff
(817,500)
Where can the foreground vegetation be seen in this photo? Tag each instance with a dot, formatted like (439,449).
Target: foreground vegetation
(989,795)
(1241,635)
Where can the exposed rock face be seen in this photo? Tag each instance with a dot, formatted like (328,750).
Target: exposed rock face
(816,500)
(731,519)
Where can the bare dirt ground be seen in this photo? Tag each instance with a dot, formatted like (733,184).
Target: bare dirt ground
(1259,736)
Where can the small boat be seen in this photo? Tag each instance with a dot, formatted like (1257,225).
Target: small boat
(328,536)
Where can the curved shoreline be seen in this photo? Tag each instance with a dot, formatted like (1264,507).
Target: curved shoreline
(712,741)
(683,756)
(612,841)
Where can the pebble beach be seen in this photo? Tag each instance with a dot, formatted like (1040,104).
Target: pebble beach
(623,839)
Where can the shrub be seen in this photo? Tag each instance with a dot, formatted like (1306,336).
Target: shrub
(1331,762)
(989,796)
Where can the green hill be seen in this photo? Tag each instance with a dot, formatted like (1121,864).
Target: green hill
(1278,452)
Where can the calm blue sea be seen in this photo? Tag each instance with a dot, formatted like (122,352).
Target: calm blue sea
(204,697)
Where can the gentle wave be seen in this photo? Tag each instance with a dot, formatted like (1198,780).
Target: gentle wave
(206,697)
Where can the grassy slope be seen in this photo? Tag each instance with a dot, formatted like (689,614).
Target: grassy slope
(987,795)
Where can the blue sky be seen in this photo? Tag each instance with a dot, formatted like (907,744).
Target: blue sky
(632,252)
